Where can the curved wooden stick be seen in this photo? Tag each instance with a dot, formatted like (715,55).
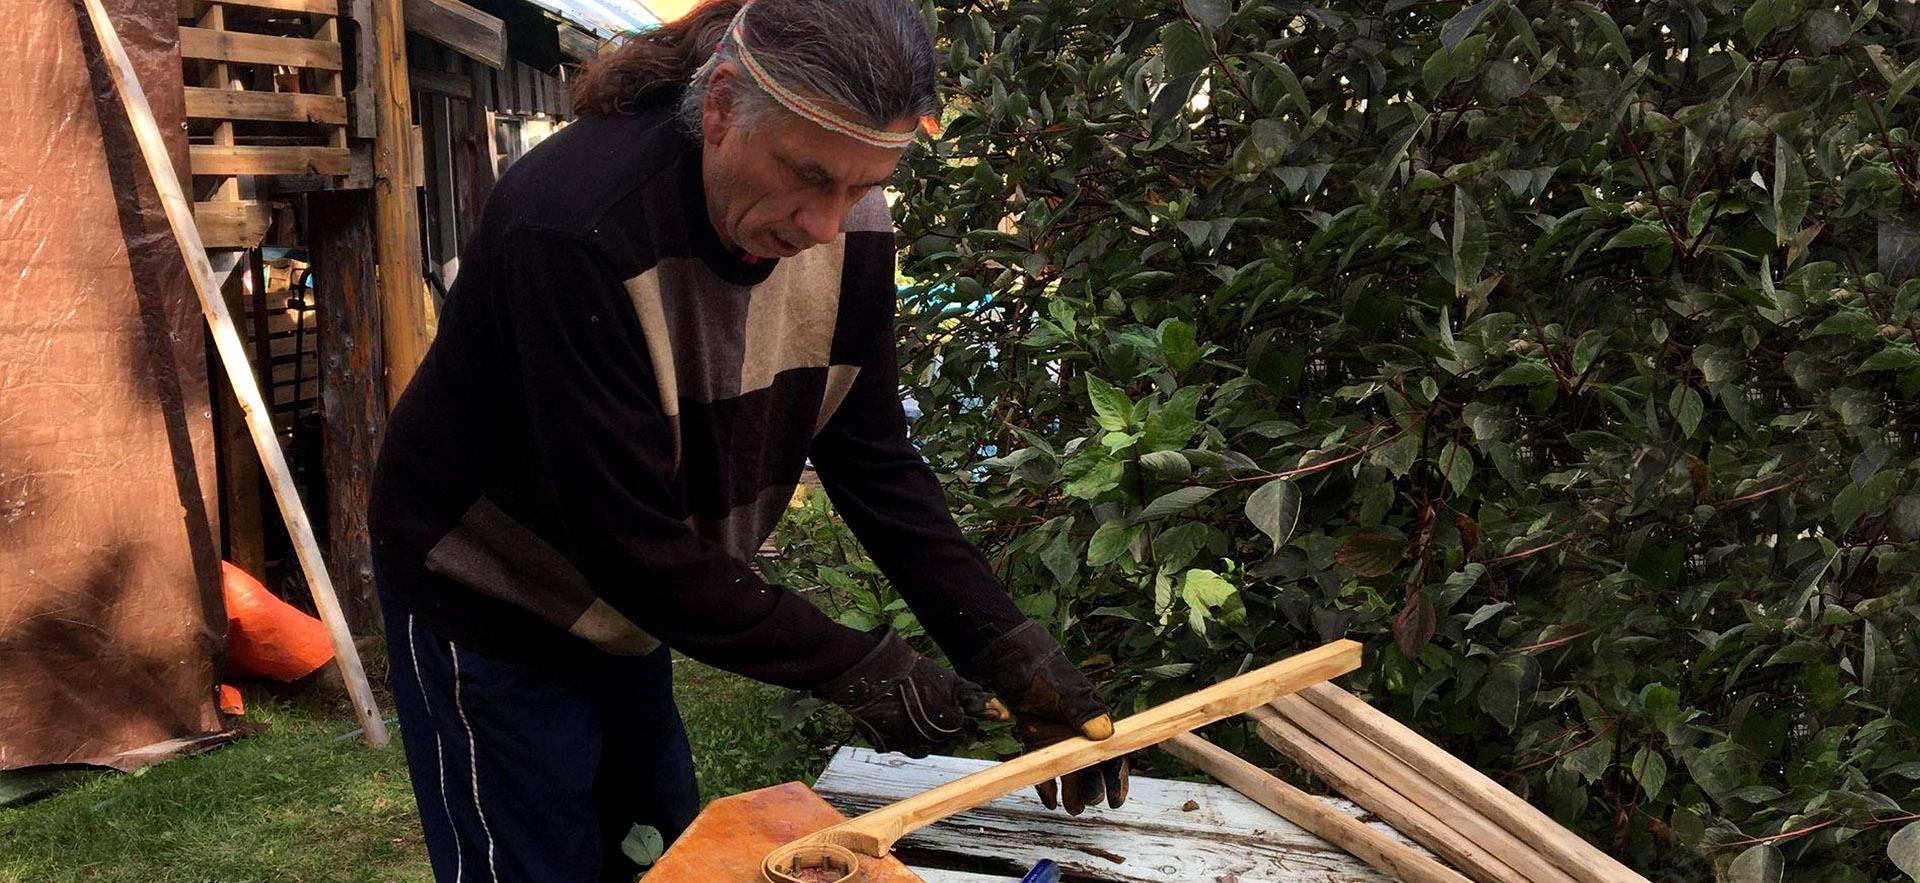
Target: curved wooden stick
(874,834)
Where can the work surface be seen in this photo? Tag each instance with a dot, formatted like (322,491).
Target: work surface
(1168,832)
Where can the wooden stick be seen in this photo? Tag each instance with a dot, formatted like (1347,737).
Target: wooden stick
(1463,819)
(874,834)
(1403,814)
(1297,806)
(1574,855)
(239,373)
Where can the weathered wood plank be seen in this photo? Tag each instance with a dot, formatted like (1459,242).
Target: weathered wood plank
(210,159)
(935,875)
(292,107)
(193,8)
(233,46)
(459,27)
(232,223)
(575,43)
(453,85)
(1154,838)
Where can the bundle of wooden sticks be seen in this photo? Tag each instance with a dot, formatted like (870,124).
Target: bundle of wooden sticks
(1488,833)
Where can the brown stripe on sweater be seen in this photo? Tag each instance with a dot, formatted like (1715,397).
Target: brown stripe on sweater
(839,381)
(791,317)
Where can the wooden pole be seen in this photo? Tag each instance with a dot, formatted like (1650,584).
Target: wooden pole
(1574,855)
(1376,849)
(233,358)
(874,833)
(1405,815)
(396,227)
(353,396)
(1383,766)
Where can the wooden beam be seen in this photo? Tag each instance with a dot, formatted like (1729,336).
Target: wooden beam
(193,8)
(459,27)
(1382,765)
(361,102)
(874,834)
(1297,806)
(396,227)
(1408,817)
(232,223)
(210,159)
(234,46)
(453,85)
(291,107)
(1566,849)
(353,396)
(233,359)
(242,520)
(575,43)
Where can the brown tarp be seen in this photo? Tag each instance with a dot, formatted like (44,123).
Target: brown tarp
(110,618)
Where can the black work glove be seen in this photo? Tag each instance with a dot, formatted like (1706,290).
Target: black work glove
(1051,701)
(903,701)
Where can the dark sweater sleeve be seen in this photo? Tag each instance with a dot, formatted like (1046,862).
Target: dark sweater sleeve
(605,445)
(891,499)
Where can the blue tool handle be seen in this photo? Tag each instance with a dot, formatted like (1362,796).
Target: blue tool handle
(1044,872)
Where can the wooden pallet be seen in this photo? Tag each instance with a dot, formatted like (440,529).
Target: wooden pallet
(265,97)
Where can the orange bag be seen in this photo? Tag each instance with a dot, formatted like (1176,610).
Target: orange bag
(267,637)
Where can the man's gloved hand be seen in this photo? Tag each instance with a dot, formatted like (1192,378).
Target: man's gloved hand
(903,701)
(1052,700)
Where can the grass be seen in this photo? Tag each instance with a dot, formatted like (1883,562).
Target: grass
(297,803)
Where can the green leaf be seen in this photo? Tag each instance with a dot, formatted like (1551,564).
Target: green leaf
(1368,555)
(1525,374)
(1183,49)
(1061,556)
(1171,424)
(1101,478)
(1688,405)
(1758,864)
(1789,192)
(1110,541)
(1903,848)
(1510,683)
(1605,25)
(1176,546)
(1212,13)
(1764,16)
(1640,235)
(1113,410)
(1456,465)
(1891,359)
(643,845)
(1469,242)
(1210,596)
(1663,708)
(1275,509)
(1177,344)
(1167,465)
(1463,22)
(1174,501)
(1650,768)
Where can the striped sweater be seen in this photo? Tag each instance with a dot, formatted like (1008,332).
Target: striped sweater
(617,409)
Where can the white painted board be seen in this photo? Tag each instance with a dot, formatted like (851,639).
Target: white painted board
(1154,838)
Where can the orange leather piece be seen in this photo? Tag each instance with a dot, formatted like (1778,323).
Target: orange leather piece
(727,843)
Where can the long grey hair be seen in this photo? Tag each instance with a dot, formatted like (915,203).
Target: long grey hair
(873,57)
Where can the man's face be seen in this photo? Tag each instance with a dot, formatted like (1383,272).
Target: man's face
(782,185)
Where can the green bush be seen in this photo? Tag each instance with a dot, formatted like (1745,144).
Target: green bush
(1564,353)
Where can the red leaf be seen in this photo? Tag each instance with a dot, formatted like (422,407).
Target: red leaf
(1368,556)
(1413,625)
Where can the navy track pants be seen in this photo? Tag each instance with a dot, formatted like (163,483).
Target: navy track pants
(525,772)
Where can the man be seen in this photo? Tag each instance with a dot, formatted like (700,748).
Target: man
(668,307)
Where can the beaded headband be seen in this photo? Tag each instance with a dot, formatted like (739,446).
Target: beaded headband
(800,104)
